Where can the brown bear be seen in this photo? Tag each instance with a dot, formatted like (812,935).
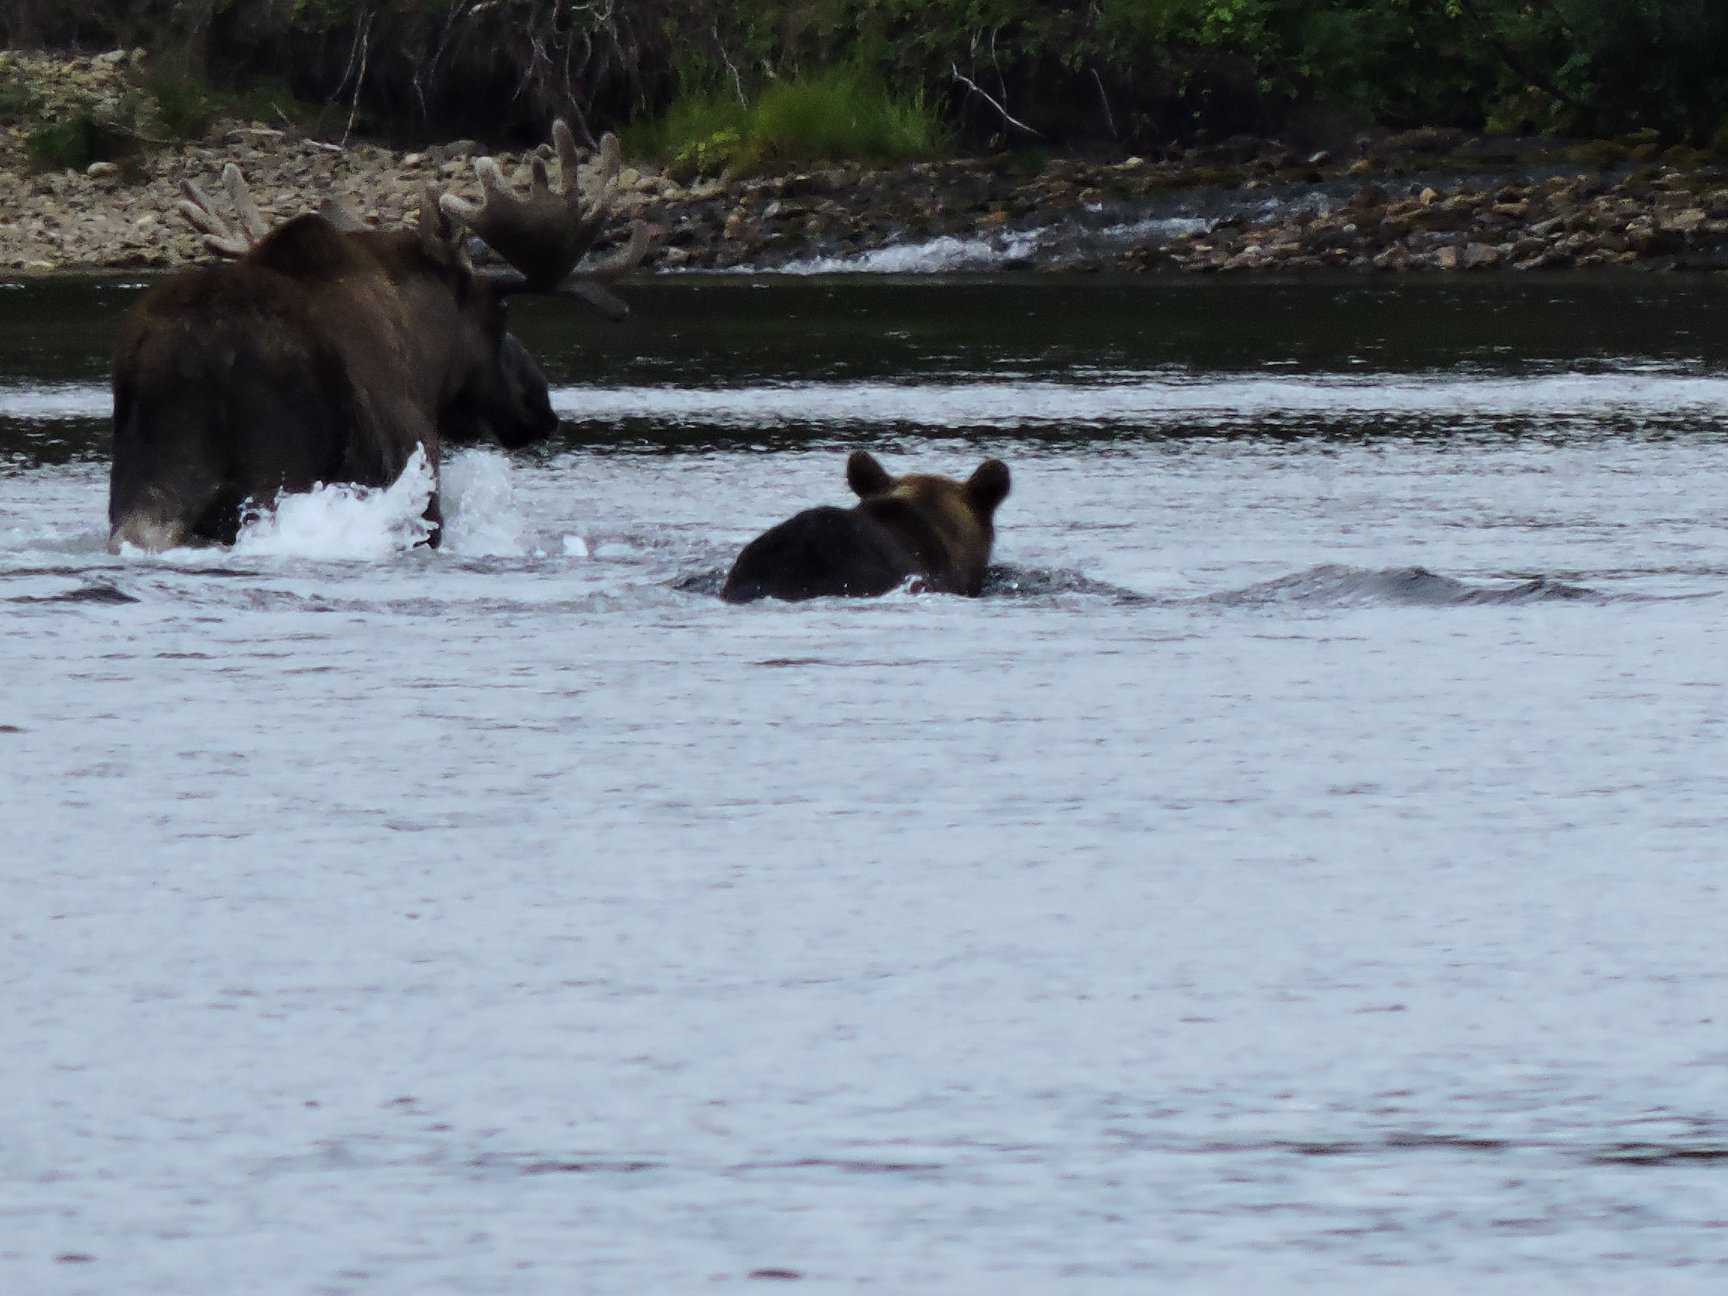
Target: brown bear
(920,525)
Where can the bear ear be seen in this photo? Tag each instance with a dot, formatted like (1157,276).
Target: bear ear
(988,487)
(865,476)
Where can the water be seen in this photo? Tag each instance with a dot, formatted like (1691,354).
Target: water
(1301,871)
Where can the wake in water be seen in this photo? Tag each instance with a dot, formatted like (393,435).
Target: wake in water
(1337,586)
(1329,585)
(1319,587)
(1326,586)
(1007,581)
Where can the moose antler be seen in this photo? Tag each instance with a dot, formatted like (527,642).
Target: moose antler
(238,240)
(544,236)
(197,208)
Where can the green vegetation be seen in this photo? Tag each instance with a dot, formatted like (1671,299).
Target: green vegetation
(768,82)
(86,136)
(1600,67)
(699,134)
(841,115)
(186,107)
(836,116)
(18,103)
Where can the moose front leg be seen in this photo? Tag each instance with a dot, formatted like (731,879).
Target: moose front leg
(434,515)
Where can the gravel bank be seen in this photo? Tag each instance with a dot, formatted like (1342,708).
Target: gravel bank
(1423,201)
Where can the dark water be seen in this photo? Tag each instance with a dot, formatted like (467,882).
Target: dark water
(737,332)
(1300,871)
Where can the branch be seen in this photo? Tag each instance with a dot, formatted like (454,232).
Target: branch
(1104,99)
(979,90)
(365,39)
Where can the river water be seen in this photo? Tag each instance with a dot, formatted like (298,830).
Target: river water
(1302,870)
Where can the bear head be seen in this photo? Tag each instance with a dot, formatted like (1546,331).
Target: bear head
(948,527)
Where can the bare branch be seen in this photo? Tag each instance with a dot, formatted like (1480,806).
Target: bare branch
(979,90)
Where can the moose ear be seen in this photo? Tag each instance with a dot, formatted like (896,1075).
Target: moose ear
(865,476)
(988,487)
(305,248)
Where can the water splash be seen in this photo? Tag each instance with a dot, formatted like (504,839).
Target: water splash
(481,516)
(359,523)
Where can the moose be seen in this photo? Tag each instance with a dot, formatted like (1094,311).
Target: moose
(324,351)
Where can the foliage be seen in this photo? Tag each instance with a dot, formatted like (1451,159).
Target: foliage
(1661,65)
(698,133)
(1156,71)
(1593,66)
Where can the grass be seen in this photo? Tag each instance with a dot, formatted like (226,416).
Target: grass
(837,116)
(842,115)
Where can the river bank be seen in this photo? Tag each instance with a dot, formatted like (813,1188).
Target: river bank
(1424,200)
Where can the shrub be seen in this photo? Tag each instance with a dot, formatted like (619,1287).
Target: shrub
(186,106)
(699,134)
(87,135)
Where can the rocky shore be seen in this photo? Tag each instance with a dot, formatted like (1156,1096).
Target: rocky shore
(1425,200)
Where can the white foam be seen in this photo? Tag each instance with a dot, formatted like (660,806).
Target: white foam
(345,522)
(1160,227)
(929,257)
(950,252)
